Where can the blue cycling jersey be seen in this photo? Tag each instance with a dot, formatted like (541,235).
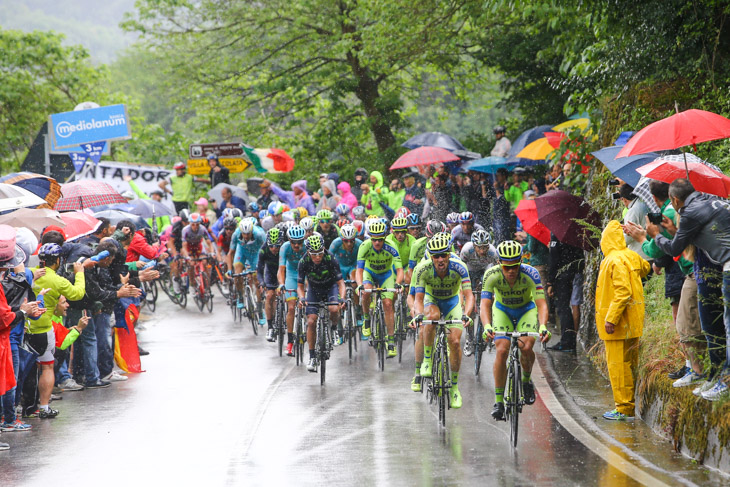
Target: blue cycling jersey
(290,259)
(343,257)
(250,248)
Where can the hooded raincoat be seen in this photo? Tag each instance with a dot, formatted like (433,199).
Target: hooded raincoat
(294,200)
(330,202)
(377,193)
(347,197)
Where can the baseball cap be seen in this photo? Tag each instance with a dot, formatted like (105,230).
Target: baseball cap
(10,254)
(201,201)
(264,184)
(212,157)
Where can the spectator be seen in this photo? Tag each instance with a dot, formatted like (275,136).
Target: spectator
(396,194)
(620,316)
(414,196)
(298,196)
(552,181)
(218,173)
(441,197)
(361,176)
(636,211)
(346,196)
(181,187)
(376,193)
(156,195)
(229,201)
(565,285)
(205,210)
(267,195)
(514,191)
(503,145)
(105,229)
(330,199)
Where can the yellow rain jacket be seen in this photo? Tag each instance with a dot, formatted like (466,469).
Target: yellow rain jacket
(619,292)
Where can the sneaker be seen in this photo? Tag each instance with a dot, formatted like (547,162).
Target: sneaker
(70,385)
(312,365)
(391,350)
(616,416)
(562,347)
(239,304)
(468,348)
(30,414)
(427,368)
(4,446)
(337,340)
(498,411)
(716,392)
(115,377)
(290,349)
(16,425)
(366,332)
(56,397)
(47,413)
(454,397)
(416,383)
(56,390)
(528,390)
(262,321)
(271,335)
(704,387)
(99,384)
(678,374)
(691,378)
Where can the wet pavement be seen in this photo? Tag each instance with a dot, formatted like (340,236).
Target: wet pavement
(218,406)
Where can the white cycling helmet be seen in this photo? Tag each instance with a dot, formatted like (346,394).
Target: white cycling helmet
(348,232)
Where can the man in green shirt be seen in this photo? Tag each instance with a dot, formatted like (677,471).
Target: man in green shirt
(181,187)
(514,192)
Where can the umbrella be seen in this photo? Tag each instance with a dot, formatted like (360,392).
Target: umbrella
(424,156)
(703,177)
(217,192)
(78,224)
(537,150)
(42,186)
(34,219)
(115,216)
(14,197)
(145,208)
(624,137)
(524,140)
(581,123)
(434,139)
(564,215)
(624,167)
(489,165)
(527,213)
(116,206)
(87,194)
(643,191)
(681,129)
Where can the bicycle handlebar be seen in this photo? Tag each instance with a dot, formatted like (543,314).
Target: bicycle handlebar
(441,322)
(381,290)
(518,334)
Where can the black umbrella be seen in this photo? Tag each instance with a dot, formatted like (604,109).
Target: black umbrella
(569,218)
(434,139)
(115,216)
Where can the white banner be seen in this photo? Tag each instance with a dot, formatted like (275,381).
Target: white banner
(146,177)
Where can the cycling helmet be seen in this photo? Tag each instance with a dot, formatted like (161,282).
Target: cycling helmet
(452,218)
(481,238)
(295,233)
(348,232)
(499,129)
(179,165)
(205,221)
(263,214)
(466,217)
(302,212)
(307,223)
(285,207)
(359,226)
(413,220)
(253,207)
(433,227)
(227,212)
(358,211)
(371,217)
(236,213)
(315,243)
(324,215)
(271,206)
(377,229)
(246,226)
(276,208)
(185,215)
(509,250)
(229,223)
(342,209)
(274,237)
(196,218)
(439,243)
(402,211)
(49,250)
(399,223)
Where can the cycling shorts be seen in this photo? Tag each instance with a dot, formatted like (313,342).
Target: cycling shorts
(195,249)
(346,270)
(521,320)
(246,257)
(45,345)
(290,284)
(450,308)
(382,280)
(271,280)
(330,295)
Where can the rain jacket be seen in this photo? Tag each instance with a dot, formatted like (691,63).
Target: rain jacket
(619,292)
(329,202)
(395,198)
(140,247)
(377,193)
(348,197)
(288,197)
(7,318)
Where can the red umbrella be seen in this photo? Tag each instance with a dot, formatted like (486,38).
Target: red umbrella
(527,213)
(684,128)
(569,218)
(703,177)
(424,156)
(87,194)
(78,224)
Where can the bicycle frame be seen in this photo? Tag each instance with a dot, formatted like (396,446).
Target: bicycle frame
(379,338)
(440,384)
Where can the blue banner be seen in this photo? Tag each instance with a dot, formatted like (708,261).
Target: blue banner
(94,150)
(79,159)
(75,128)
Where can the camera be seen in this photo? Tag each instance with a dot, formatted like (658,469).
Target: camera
(616,196)
(655,218)
(614,182)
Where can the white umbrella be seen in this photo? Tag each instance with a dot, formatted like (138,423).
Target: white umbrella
(217,192)
(14,197)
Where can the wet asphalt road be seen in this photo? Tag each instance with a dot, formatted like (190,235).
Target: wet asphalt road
(218,406)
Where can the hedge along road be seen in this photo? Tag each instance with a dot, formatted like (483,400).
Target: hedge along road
(218,406)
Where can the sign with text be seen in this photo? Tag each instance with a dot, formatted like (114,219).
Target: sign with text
(76,148)
(94,150)
(147,178)
(228,149)
(200,167)
(78,159)
(69,129)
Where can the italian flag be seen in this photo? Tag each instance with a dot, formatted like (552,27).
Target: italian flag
(269,160)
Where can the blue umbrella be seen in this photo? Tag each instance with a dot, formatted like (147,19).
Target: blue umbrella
(525,138)
(624,167)
(434,139)
(489,165)
(624,137)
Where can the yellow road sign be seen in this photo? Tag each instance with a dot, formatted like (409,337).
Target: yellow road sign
(200,167)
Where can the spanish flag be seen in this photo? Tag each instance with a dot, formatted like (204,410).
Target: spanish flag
(126,351)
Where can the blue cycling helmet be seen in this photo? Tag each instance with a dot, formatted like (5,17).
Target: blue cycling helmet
(271,206)
(253,207)
(413,220)
(263,214)
(276,208)
(342,209)
(295,233)
(49,250)
(196,218)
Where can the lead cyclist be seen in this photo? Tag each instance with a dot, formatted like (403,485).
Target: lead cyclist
(513,299)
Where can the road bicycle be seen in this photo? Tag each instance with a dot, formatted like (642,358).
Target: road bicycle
(323,341)
(440,383)
(150,295)
(379,340)
(300,335)
(184,281)
(280,320)
(401,322)
(249,308)
(480,344)
(166,281)
(349,317)
(203,295)
(217,278)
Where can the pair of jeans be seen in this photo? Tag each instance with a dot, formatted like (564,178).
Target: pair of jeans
(7,400)
(710,308)
(105,354)
(86,354)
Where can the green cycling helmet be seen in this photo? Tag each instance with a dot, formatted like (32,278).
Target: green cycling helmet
(324,215)
(315,243)
(274,237)
(399,223)
(377,229)
(509,250)
(439,243)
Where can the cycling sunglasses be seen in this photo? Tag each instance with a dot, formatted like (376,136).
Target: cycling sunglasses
(276,246)
(325,220)
(510,266)
(442,255)
(378,239)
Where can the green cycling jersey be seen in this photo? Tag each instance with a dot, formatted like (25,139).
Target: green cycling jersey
(427,281)
(378,262)
(403,248)
(526,289)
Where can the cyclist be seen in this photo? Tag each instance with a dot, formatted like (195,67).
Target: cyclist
(324,283)
(452,220)
(195,238)
(246,242)
(414,225)
(289,256)
(266,271)
(343,215)
(326,228)
(513,299)
(223,243)
(344,249)
(478,255)
(467,226)
(308,223)
(377,262)
(400,239)
(440,283)
(359,213)
(253,208)
(174,246)
(234,213)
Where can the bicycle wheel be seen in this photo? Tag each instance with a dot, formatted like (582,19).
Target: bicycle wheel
(183,299)
(439,382)
(298,342)
(515,403)
(353,320)
(280,318)
(251,310)
(380,339)
(479,345)
(209,301)
(322,341)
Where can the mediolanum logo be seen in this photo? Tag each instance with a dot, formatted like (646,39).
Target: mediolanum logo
(65,129)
